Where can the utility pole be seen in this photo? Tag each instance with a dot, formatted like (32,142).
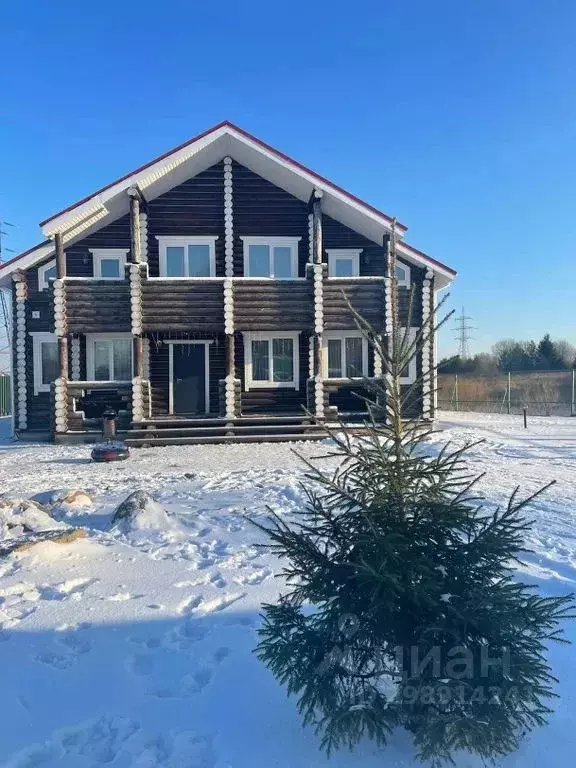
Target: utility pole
(5,319)
(462,334)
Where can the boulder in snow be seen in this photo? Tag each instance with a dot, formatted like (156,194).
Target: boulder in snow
(25,522)
(75,498)
(23,516)
(140,512)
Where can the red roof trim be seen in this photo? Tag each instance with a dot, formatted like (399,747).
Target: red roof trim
(264,145)
(249,136)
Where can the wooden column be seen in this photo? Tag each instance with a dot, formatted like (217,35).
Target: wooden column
(63,355)
(318,271)
(317,225)
(230,356)
(60,255)
(135,245)
(138,357)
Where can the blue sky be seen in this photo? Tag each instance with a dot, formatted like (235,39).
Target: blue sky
(457,117)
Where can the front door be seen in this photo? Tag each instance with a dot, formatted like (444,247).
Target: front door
(189,378)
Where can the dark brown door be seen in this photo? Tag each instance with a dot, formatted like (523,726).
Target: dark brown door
(189,378)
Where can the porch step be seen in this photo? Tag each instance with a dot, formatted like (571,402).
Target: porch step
(181,422)
(215,439)
(225,429)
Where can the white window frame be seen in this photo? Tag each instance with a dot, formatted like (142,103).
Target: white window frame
(407,280)
(108,253)
(272,242)
(39,338)
(183,241)
(249,337)
(412,365)
(90,339)
(341,336)
(43,284)
(336,254)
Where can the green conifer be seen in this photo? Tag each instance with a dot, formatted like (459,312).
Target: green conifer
(402,608)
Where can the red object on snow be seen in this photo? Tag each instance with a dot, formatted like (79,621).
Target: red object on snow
(112,451)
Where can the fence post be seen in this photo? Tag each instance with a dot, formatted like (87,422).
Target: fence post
(573,398)
(456,395)
(509,393)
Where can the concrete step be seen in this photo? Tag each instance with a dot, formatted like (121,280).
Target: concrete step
(215,439)
(223,429)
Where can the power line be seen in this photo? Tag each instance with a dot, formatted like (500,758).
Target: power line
(462,334)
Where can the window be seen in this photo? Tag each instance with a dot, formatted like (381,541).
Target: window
(187,256)
(109,357)
(344,262)
(409,372)
(109,263)
(46,273)
(271,360)
(403,275)
(345,355)
(46,361)
(275,257)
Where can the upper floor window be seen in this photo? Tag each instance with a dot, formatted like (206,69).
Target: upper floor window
(109,263)
(46,273)
(275,257)
(403,275)
(344,262)
(187,256)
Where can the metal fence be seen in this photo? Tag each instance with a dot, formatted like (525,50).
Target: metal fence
(542,393)
(5,395)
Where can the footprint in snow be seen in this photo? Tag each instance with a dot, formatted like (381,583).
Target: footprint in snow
(256,577)
(141,664)
(55,660)
(73,589)
(220,603)
(75,644)
(189,604)
(217,580)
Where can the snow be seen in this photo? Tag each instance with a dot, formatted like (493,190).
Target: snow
(132,648)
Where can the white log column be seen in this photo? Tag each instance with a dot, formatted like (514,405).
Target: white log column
(21,399)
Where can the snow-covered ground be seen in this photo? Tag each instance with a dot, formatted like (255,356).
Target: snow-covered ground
(133,649)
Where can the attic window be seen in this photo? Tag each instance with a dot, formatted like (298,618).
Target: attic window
(46,273)
(403,275)
(109,263)
(344,262)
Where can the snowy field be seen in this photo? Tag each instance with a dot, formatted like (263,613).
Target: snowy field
(134,649)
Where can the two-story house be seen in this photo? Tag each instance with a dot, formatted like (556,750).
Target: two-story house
(202,296)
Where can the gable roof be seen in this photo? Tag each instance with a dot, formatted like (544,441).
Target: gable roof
(197,154)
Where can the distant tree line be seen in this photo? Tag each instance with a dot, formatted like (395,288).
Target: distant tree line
(513,355)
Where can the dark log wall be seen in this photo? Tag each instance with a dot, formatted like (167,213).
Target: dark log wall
(113,235)
(195,207)
(262,209)
(97,306)
(179,305)
(273,400)
(264,305)
(195,310)
(337,235)
(367,298)
(160,374)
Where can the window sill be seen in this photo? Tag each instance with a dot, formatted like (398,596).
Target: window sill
(270,385)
